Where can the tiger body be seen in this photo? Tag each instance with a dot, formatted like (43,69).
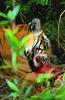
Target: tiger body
(6,50)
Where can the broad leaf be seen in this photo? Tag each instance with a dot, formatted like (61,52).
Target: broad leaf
(27,91)
(14,57)
(62,90)
(46,2)
(23,86)
(12,86)
(3,15)
(34,97)
(60,96)
(2,23)
(13,13)
(10,14)
(14,94)
(16,81)
(12,39)
(43,77)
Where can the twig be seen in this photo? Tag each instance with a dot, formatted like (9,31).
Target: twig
(24,18)
(59,44)
(13,5)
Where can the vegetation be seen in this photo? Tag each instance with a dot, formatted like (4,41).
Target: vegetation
(49,11)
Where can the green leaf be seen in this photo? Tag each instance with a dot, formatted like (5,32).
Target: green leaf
(12,86)
(12,39)
(34,97)
(14,94)
(3,15)
(14,57)
(27,91)
(63,77)
(8,65)
(62,89)
(46,2)
(13,13)
(60,97)
(2,23)
(24,40)
(16,81)
(23,43)
(47,94)
(43,2)
(62,3)
(23,86)
(43,77)
(5,66)
(10,14)
(15,30)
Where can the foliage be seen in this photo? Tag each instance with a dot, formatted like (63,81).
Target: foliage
(12,86)
(45,2)
(10,16)
(20,94)
(44,78)
(25,5)
(50,27)
(49,93)
(18,46)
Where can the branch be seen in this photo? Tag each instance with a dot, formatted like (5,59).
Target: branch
(59,44)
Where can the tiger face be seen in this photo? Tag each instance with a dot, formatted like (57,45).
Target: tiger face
(41,40)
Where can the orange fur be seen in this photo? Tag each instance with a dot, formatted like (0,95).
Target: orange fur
(5,51)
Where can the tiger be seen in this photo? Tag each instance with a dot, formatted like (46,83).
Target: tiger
(6,52)
(41,45)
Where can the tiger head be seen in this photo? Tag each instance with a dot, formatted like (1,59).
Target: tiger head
(35,28)
(35,25)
